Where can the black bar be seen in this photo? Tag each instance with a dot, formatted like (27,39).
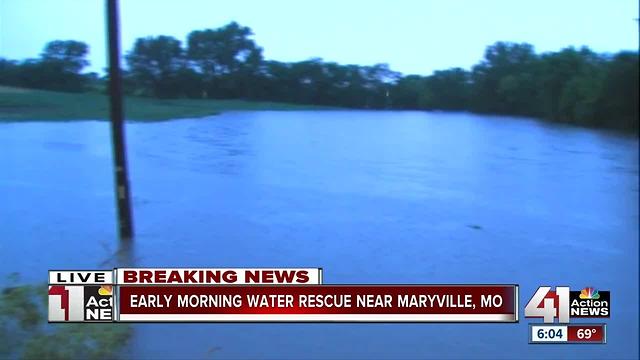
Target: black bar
(125,220)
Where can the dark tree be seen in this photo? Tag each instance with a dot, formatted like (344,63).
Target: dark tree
(504,81)
(157,66)
(227,58)
(59,68)
(619,101)
(69,54)
(446,90)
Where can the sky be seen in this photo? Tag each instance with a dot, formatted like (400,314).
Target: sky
(412,36)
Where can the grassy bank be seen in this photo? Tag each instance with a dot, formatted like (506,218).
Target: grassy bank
(18,104)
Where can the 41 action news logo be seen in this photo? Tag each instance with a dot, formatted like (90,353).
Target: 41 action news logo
(562,303)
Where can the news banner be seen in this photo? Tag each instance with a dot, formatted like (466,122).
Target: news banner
(299,295)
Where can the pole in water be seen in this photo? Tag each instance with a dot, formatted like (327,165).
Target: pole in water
(125,219)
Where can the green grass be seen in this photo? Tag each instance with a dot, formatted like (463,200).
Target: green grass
(17,104)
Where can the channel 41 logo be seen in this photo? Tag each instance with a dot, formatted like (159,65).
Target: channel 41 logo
(80,303)
(563,304)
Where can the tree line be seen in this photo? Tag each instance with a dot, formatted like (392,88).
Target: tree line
(572,85)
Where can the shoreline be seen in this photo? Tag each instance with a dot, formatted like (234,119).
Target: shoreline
(33,105)
(19,104)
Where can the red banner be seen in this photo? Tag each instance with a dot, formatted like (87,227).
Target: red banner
(586,333)
(348,303)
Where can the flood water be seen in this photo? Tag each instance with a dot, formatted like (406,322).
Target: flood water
(372,197)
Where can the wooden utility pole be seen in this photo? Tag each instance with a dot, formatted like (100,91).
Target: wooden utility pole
(125,219)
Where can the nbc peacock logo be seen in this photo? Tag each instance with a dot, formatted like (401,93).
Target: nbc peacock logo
(589,293)
(105,290)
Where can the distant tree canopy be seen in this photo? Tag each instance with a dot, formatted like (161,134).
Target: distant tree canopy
(572,85)
(227,60)
(157,66)
(69,54)
(59,68)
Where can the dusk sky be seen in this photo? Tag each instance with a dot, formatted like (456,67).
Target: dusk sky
(413,37)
